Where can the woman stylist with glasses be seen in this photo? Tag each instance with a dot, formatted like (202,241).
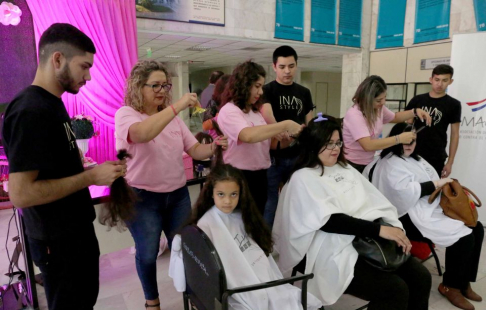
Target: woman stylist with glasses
(148,127)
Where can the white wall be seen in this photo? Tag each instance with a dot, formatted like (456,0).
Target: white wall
(243,18)
(312,80)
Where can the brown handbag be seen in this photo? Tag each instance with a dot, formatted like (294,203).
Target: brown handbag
(457,202)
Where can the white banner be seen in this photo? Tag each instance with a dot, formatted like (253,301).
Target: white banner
(469,62)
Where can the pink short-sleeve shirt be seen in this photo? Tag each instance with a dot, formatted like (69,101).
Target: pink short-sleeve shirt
(355,128)
(246,156)
(156,165)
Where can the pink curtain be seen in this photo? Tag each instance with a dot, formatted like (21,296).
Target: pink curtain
(111,24)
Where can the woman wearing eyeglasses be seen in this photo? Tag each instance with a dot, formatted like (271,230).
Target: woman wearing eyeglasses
(407,180)
(148,127)
(322,208)
(363,123)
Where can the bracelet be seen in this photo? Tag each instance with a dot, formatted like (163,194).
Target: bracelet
(173,110)
(415,111)
(397,140)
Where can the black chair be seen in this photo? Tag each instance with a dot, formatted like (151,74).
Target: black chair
(432,254)
(300,267)
(206,286)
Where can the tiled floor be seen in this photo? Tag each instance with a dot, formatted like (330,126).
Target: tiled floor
(120,288)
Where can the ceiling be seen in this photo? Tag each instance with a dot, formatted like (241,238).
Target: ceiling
(203,52)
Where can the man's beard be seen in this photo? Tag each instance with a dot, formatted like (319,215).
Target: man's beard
(66,80)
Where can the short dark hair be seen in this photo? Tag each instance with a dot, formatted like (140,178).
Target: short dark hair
(284,51)
(443,69)
(64,38)
(238,89)
(313,138)
(215,75)
(397,149)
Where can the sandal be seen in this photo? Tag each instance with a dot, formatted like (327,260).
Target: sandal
(151,306)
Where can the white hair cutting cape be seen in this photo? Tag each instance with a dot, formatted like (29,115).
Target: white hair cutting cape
(305,205)
(399,180)
(245,263)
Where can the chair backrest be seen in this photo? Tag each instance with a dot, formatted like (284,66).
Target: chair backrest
(205,276)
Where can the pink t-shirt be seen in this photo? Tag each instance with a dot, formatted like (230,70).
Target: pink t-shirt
(247,156)
(156,165)
(355,128)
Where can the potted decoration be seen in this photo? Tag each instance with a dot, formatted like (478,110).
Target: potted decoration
(83,131)
(4,180)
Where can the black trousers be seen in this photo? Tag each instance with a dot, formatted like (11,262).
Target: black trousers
(358,167)
(406,288)
(438,164)
(462,258)
(70,269)
(258,184)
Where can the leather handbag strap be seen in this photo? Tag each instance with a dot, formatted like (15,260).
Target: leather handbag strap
(478,201)
(434,195)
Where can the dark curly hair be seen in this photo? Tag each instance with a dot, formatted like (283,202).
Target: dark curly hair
(398,148)
(239,85)
(255,226)
(313,138)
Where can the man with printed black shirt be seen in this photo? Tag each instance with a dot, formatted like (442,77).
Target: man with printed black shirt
(47,179)
(284,100)
(444,110)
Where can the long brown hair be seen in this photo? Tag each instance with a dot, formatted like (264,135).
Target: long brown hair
(121,206)
(219,88)
(367,91)
(238,89)
(255,226)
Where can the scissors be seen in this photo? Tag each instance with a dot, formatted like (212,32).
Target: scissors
(417,130)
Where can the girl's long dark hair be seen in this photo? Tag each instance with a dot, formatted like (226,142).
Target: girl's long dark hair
(238,89)
(398,148)
(218,154)
(313,138)
(120,208)
(255,226)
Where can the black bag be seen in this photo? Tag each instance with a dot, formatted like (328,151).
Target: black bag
(381,253)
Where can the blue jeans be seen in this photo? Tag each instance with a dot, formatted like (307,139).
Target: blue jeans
(278,173)
(156,212)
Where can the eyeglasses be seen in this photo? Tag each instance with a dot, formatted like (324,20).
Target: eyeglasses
(332,146)
(158,87)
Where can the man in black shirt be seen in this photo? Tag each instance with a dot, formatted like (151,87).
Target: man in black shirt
(444,110)
(284,99)
(47,179)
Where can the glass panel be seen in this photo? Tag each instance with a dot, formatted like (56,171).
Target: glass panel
(396,92)
(423,88)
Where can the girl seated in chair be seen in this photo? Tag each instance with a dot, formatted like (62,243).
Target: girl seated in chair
(226,212)
(407,180)
(323,207)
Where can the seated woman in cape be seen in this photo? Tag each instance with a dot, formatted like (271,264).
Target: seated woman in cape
(226,212)
(407,180)
(324,205)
